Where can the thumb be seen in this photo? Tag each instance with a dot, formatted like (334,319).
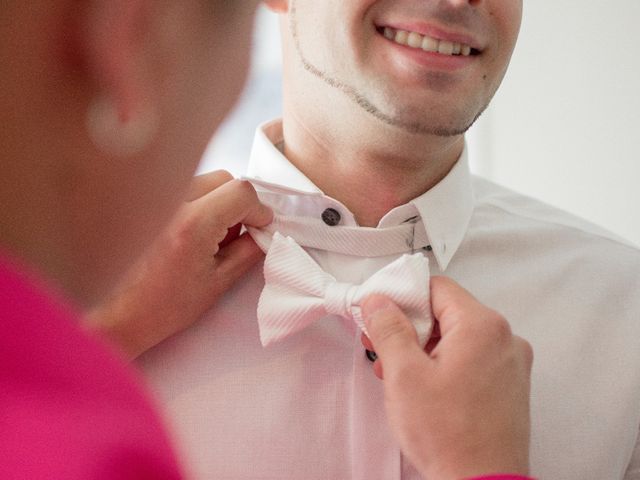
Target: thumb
(394,339)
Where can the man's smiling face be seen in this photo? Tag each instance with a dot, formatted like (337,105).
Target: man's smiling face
(426,66)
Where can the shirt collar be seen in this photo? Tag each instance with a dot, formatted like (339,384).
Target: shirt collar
(269,166)
(445,209)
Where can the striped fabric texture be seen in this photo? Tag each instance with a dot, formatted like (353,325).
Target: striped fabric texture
(355,241)
(298,292)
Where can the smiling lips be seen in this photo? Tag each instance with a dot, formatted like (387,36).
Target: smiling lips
(427,44)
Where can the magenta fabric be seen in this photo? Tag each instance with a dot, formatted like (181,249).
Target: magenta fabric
(502,477)
(70,408)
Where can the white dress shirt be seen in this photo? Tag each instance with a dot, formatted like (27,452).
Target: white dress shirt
(309,407)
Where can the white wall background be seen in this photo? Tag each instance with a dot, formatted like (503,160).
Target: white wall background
(565,126)
(261,101)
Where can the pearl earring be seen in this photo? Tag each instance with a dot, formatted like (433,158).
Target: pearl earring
(111,135)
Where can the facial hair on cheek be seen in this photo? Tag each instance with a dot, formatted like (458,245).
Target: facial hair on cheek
(413,127)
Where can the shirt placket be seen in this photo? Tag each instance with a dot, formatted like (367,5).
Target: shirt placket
(374,451)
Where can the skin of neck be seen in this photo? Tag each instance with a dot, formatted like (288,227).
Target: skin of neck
(29,222)
(34,185)
(355,158)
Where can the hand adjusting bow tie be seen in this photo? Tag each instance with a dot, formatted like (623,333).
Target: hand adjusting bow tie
(298,292)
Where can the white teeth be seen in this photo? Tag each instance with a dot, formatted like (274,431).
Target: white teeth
(414,40)
(445,48)
(401,37)
(428,44)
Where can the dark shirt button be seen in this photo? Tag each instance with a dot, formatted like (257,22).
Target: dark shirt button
(331,217)
(372,356)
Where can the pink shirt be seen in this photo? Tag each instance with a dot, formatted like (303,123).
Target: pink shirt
(310,407)
(69,408)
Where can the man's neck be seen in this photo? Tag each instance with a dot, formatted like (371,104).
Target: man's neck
(373,179)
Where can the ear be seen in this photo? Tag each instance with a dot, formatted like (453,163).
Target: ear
(277,6)
(113,38)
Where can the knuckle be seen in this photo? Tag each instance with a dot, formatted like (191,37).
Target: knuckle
(243,187)
(222,175)
(243,193)
(182,236)
(192,234)
(498,326)
(186,228)
(442,284)
(442,281)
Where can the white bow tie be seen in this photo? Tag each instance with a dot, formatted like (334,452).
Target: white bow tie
(298,292)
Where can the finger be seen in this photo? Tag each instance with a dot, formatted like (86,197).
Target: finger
(206,183)
(393,336)
(434,339)
(377,369)
(377,365)
(232,234)
(366,342)
(526,350)
(452,304)
(431,344)
(236,259)
(235,202)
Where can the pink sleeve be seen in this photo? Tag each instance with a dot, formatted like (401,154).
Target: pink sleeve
(69,407)
(502,477)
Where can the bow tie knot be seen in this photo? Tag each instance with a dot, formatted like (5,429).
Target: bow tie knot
(298,292)
(338,299)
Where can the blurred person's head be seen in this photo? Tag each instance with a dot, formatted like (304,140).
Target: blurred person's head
(105,109)
(388,74)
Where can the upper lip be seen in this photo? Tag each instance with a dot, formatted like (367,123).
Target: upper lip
(434,31)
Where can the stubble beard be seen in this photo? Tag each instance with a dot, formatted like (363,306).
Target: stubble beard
(410,126)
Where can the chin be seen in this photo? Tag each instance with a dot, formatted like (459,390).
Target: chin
(448,125)
(422,115)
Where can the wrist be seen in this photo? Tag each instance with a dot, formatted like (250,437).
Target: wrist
(118,325)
